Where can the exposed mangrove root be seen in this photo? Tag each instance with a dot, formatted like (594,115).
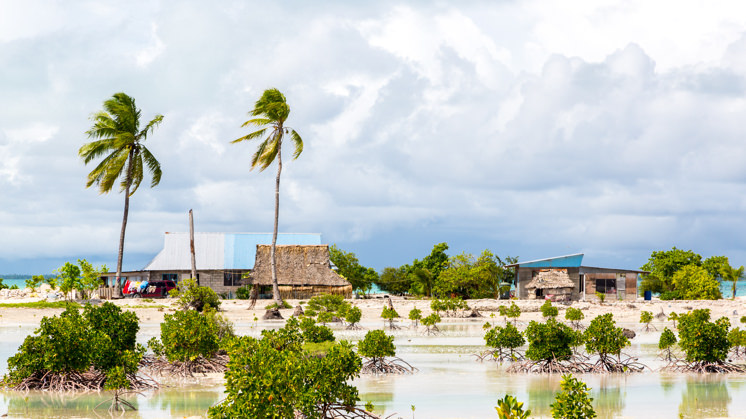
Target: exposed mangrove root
(500,356)
(161,366)
(679,365)
(91,380)
(649,326)
(432,330)
(353,326)
(580,365)
(336,411)
(117,403)
(393,365)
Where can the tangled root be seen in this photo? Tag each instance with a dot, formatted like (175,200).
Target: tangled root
(393,365)
(499,356)
(90,380)
(163,367)
(679,365)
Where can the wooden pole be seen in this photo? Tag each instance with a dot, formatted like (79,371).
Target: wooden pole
(191,246)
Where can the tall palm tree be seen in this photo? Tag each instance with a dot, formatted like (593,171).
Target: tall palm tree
(118,138)
(270,113)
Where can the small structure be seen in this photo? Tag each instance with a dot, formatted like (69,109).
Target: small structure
(554,282)
(564,278)
(303,271)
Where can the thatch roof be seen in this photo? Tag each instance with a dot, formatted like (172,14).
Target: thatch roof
(554,278)
(297,265)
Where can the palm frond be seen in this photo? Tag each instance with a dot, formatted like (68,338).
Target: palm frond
(150,127)
(251,136)
(113,170)
(136,175)
(298,143)
(257,122)
(270,153)
(259,152)
(95,149)
(153,166)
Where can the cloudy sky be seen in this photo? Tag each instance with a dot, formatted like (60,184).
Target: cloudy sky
(531,128)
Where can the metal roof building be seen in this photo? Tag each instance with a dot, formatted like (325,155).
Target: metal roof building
(220,251)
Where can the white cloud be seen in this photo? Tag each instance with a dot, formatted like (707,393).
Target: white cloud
(148,54)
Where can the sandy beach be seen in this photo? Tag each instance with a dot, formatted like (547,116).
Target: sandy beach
(627,312)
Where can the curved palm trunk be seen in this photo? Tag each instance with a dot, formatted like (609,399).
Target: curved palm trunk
(272,253)
(118,286)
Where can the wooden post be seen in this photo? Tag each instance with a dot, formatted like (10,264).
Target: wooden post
(191,246)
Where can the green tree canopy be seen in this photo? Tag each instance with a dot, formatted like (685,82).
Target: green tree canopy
(350,268)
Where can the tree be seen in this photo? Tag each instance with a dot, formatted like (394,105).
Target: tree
(604,338)
(415,315)
(350,268)
(695,283)
(734,275)
(548,310)
(701,340)
(574,315)
(646,318)
(550,341)
(118,137)
(396,280)
(663,264)
(270,114)
(274,377)
(501,338)
(573,402)
(666,342)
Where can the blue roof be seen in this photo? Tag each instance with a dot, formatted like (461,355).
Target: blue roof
(240,248)
(568,261)
(218,251)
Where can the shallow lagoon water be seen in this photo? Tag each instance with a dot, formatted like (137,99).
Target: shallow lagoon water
(449,384)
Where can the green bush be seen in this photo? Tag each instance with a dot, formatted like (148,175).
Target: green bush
(376,344)
(431,321)
(508,337)
(273,377)
(667,339)
(548,310)
(188,335)
(510,408)
(574,315)
(549,341)
(601,296)
(513,312)
(671,295)
(195,297)
(737,340)
(695,283)
(389,314)
(702,340)
(603,337)
(315,333)
(353,316)
(243,292)
(101,338)
(415,315)
(673,316)
(573,402)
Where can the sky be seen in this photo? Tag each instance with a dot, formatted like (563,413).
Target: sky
(530,128)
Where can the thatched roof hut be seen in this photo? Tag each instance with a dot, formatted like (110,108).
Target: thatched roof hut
(302,271)
(551,278)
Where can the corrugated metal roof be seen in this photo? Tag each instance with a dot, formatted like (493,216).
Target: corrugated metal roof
(567,261)
(217,251)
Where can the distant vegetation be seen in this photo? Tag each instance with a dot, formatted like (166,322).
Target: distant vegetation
(683,275)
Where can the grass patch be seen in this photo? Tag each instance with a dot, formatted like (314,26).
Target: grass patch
(41,304)
(285,304)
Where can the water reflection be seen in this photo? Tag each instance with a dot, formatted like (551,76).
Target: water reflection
(609,396)
(37,404)
(705,396)
(541,390)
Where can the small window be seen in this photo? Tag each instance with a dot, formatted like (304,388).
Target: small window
(170,277)
(606,286)
(231,278)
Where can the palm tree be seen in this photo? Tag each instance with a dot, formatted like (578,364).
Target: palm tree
(118,138)
(270,113)
(733,274)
